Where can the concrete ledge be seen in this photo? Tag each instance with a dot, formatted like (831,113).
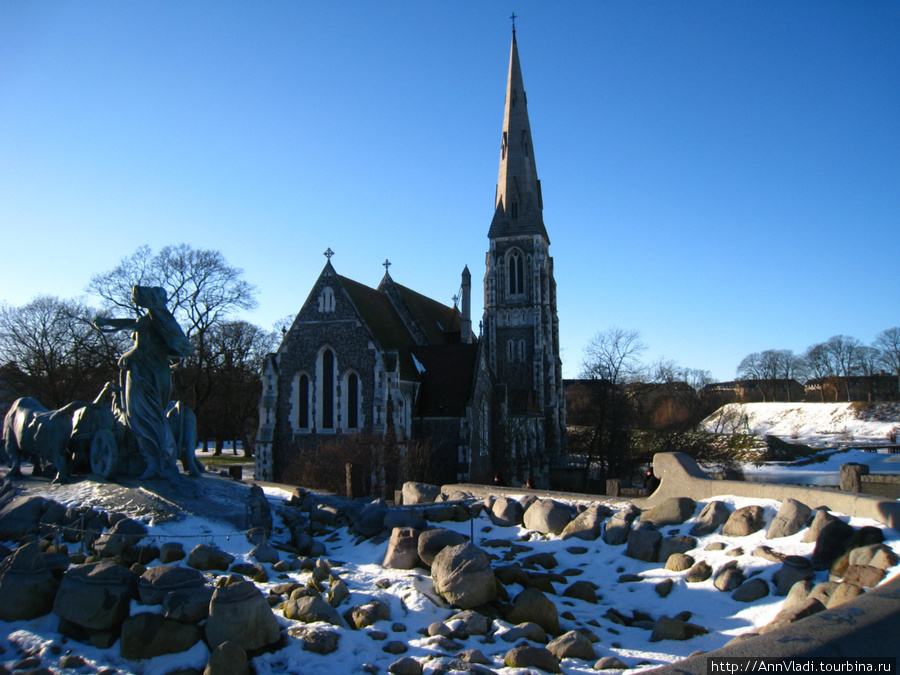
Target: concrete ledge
(680,476)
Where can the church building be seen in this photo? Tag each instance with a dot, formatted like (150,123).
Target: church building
(390,361)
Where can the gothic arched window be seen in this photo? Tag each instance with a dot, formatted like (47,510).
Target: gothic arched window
(351,401)
(326,300)
(516,268)
(326,389)
(300,402)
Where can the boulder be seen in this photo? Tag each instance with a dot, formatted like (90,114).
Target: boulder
(147,635)
(844,593)
(205,557)
(790,519)
(463,576)
(96,596)
(619,525)
(158,581)
(309,609)
(27,587)
(728,579)
(527,630)
(365,615)
(370,521)
(789,615)
(664,587)
(875,555)
(573,644)
(547,516)
(171,551)
(701,571)
(239,613)
(471,622)
(125,533)
(431,542)
(715,513)
(794,568)
(610,663)
(679,562)
(506,512)
(643,544)
(402,550)
(265,553)
(676,544)
(671,511)
(316,639)
(21,517)
(668,628)
(819,521)
(821,592)
(189,605)
(588,524)
(227,659)
(532,605)
(420,493)
(532,657)
(582,590)
(751,590)
(833,540)
(405,666)
(864,576)
(744,521)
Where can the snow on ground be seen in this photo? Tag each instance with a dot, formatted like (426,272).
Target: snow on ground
(410,597)
(825,471)
(810,423)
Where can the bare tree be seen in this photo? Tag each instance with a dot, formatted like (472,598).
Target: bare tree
(613,355)
(844,351)
(819,365)
(888,343)
(203,290)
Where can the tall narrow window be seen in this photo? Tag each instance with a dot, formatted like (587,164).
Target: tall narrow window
(327,401)
(326,300)
(516,274)
(353,401)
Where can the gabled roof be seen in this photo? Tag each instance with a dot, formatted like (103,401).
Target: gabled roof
(440,322)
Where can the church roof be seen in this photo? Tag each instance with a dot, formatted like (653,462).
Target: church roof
(438,321)
(518,206)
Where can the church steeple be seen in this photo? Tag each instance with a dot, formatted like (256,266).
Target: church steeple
(518,208)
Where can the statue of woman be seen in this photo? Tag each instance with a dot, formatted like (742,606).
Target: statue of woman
(145,379)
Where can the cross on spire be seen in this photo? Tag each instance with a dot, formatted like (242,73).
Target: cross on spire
(386,263)
(513,17)
(328,253)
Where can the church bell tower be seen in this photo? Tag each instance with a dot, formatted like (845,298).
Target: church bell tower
(521,328)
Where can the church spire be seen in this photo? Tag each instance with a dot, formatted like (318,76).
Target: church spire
(518,208)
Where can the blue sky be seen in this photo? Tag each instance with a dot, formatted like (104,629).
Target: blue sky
(722,177)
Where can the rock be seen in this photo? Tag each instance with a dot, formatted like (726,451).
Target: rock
(96,596)
(171,551)
(506,512)
(431,542)
(751,590)
(794,568)
(547,516)
(643,544)
(27,587)
(146,635)
(875,555)
(259,512)
(582,590)
(820,520)
(664,587)
(744,521)
(21,517)
(791,614)
(265,553)
(527,630)
(619,525)
(573,644)
(674,629)
(124,533)
(798,593)
(679,562)
(865,576)
(156,582)
(310,609)
(395,647)
(228,659)
(532,605)
(844,593)
(701,571)
(402,550)
(544,559)
(239,613)
(715,513)
(370,520)
(509,575)
(532,657)
(729,579)
(463,576)
(588,524)
(189,605)
(405,666)
(790,519)
(205,557)
(676,544)
(474,656)
(420,493)
(338,592)
(671,511)
(716,546)
(316,639)
(821,592)
(365,615)
(766,553)
(610,663)
(472,622)
(832,542)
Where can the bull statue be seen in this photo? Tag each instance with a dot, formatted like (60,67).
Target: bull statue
(30,431)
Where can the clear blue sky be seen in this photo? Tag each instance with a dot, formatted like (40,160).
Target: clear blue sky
(723,177)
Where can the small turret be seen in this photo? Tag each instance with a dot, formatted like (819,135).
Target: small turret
(465,329)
